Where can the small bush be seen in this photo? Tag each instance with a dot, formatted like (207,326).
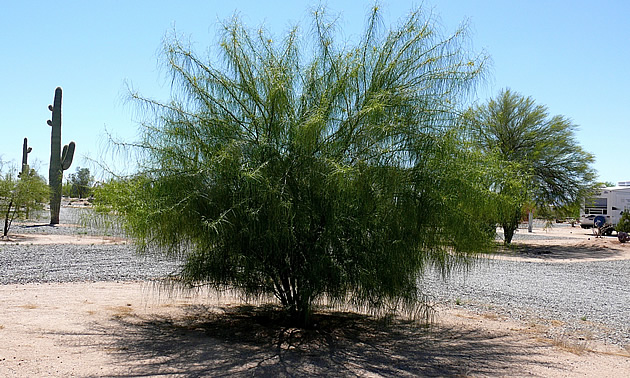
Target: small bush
(624,222)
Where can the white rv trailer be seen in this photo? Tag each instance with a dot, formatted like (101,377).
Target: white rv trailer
(606,207)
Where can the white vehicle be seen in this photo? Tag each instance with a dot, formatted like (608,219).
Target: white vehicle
(606,207)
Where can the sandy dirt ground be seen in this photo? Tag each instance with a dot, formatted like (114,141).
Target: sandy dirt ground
(39,239)
(139,329)
(562,243)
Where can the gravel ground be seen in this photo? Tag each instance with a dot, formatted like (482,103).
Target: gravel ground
(75,263)
(81,219)
(589,299)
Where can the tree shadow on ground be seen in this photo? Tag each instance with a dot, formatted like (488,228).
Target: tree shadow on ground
(579,251)
(246,341)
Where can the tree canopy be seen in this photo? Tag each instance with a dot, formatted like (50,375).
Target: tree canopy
(308,169)
(20,196)
(540,152)
(79,184)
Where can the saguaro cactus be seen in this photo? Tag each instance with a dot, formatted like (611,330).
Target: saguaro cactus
(25,151)
(59,161)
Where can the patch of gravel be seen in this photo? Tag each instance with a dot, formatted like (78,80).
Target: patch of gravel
(585,300)
(74,221)
(26,263)
(20,264)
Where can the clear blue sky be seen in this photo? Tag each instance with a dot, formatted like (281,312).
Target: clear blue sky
(572,56)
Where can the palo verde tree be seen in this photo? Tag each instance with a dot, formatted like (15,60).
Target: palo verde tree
(19,196)
(308,169)
(547,165)
(79,183)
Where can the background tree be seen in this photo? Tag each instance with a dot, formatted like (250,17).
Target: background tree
(18,197)
(624,222)
(79,184)
(327,172)
(540,150)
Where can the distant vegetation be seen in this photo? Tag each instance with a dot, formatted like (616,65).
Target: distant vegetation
(624,222)
(79,185)
(544,166)
(20,196)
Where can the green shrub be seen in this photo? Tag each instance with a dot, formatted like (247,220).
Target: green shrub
(624,222)
(333,174)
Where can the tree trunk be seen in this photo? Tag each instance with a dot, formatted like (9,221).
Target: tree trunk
(510,226)
(508,232)
(296,302)
(6,220)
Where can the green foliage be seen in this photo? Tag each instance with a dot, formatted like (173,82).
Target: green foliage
(66,189)
(18,197)
(59,160)
(511,198)
(624,222)
(539,151)
(79,184)
(551,213)
(327,173)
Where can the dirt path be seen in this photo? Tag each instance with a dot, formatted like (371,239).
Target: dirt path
(129,329)
(563,243)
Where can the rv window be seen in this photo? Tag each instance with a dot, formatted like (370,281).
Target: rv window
(597,202)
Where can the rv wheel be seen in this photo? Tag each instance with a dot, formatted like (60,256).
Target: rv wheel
(599,221)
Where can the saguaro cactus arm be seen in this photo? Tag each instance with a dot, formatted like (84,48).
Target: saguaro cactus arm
(67,155)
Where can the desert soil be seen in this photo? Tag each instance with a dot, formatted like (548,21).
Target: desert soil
(141,329)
